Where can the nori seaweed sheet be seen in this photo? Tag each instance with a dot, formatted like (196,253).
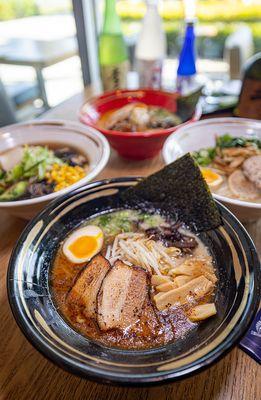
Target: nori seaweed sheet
(179,191)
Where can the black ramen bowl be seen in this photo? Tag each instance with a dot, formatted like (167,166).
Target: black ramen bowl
(31,300)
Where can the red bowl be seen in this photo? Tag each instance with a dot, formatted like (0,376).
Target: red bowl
(133,145)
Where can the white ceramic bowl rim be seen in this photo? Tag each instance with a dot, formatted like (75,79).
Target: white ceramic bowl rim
(218,121)
(86,130)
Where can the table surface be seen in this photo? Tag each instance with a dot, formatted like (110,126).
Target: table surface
(27,375)
(31,53)
(36,41)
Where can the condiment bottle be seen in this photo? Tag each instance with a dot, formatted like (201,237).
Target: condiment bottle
(150,50)
(113,57)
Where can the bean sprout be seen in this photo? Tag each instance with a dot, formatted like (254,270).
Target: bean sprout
(137,249)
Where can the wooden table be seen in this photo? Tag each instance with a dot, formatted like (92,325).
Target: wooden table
(27,375)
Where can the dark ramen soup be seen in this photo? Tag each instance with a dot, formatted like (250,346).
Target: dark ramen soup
(133,280)
(138,117)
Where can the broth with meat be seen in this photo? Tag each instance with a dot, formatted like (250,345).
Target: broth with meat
(233,167)
(133,280)
(138,117)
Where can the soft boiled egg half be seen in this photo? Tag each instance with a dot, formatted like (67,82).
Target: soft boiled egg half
(212,178)
(83,244)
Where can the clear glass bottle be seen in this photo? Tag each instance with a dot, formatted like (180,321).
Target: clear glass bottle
(113,55)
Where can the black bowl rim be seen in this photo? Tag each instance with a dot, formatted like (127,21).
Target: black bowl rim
(102,377)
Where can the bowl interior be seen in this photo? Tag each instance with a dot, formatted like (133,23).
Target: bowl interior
(51,133)
(112,100)
(202,134)
(94,108)
(62,133)
(30,296)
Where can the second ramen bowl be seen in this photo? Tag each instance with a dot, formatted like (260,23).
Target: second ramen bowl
(203,134)
(138,145)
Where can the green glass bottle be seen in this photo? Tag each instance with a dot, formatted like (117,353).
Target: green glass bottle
(113,55)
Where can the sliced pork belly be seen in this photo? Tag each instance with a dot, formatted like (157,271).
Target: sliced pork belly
(252,170)
(242,187)
(149,322)
(84,292)
(121,297)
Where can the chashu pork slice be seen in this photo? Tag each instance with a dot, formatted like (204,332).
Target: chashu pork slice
(242,187)
(252,170)
(121,297)
(84,292)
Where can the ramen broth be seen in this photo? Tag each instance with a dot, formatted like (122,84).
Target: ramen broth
(224,190)
(154,325)
(232,168)
(138,117)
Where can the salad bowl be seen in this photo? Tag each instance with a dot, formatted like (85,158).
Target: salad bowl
(86,140)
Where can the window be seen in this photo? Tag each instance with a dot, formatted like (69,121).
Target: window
(39,62)
(221,24)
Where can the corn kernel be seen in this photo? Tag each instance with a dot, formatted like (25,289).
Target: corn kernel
(64,175)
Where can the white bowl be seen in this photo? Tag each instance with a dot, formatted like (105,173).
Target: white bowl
(65,133)
(202,134)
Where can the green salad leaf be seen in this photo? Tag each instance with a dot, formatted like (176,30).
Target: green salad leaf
(2,173)
(14,191)
(35,161)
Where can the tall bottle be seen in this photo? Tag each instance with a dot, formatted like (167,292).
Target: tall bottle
(186,73)
(113,54)
(151,48)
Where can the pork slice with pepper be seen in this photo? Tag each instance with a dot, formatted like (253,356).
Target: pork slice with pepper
(84,292)
(121,297)
(252,170)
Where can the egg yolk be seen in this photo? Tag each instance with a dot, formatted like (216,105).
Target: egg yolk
(83,246)
(209,175)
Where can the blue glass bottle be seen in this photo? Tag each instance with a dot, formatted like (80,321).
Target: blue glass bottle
(186,72)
